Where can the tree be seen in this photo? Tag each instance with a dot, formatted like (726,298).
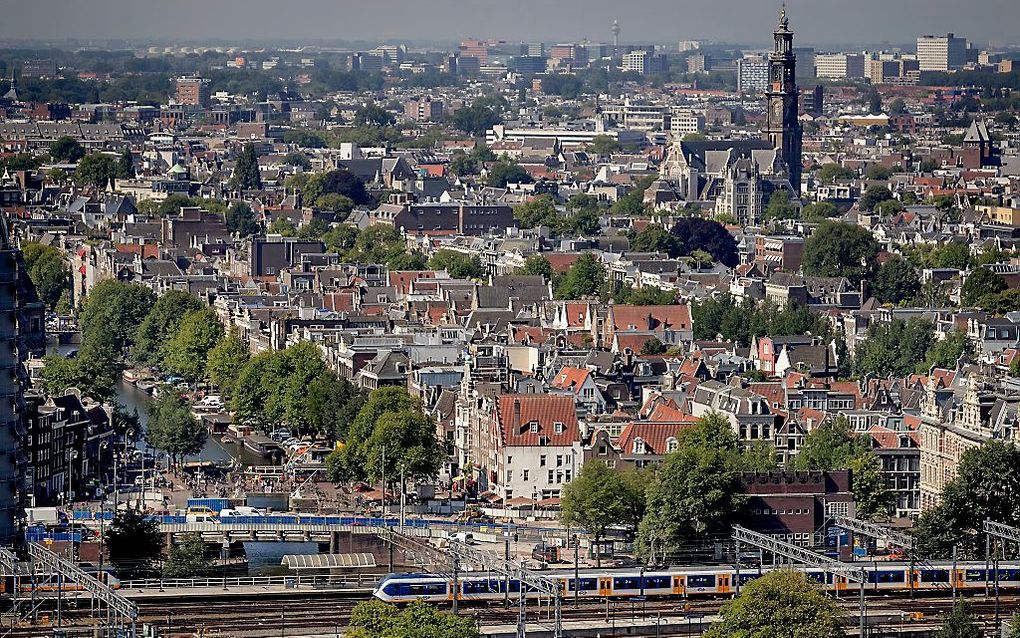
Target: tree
(95,371)
(463,164)
(49,271)
(834,446)
(896,281)
(604,145)
(780,206)
(66,149)
(540,211)
(506,172)
(373,115)
(979,283)
(458,264)
(947,352)
(186,353)
(836,249)
(833,172)
(95,170)
(584,278)
(780,604)
(246,169)
(240,220)
(878,172)
(134,543)
(172,428)
(895,348)
(187,558)
(114,310)
(897,106)
(376,619)
(537,264)
(126,164)
(594,500)
(225,362)
(478,118)
(954,254)
(656,239)
(653,346)
(161,324)
(960,623)
(332,403)
(351,461)
(698,494)
(407,441)
(873,196)
(338,182)
(695,233)
(986,487)
(634,483)
(283,227)
(298,159)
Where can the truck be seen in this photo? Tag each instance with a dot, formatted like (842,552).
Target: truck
(214,504)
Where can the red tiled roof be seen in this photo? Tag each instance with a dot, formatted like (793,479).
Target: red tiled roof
(570,378)
(669,413)
(517,411)
(402,279)
(657,318)
(654,435)
(576,312)
(561,262)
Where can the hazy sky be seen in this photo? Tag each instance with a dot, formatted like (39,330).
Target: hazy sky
(816,21)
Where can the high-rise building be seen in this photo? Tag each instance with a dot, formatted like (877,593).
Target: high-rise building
(782,124)
(699,63)
(941,52)
(839,66)
(752,74)
(644,62)
(424,109)
(475,49)
(192,91)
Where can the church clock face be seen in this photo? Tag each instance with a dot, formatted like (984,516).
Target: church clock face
(777,112)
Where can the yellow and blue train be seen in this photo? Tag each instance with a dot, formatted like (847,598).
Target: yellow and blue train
(691,581)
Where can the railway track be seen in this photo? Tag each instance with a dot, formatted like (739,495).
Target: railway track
(325,613)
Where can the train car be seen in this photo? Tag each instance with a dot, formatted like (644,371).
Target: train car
(691,581)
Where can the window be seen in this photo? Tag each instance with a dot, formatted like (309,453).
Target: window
(558,427)
(534,426)
(509,460)
(526,473)
(549,477)
(639,446)
(559,460)
(671,444)
(509,476)
(541,461)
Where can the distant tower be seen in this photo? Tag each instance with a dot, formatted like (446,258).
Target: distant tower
(783,126)
(12,381)
(616,34)
(12,93)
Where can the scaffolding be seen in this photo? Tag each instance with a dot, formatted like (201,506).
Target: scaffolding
(900,539)
(798,554)
(996,532)
(459,554)
(120,612)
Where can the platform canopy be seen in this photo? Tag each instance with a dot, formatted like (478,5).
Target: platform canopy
(328,561)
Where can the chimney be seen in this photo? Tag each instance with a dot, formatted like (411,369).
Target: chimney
(516,417)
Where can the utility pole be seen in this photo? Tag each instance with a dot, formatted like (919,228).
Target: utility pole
(403,497)
(456,583)
(577,570)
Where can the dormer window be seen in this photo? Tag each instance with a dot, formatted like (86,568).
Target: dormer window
(558,427)
(639,446)
(534,426)
(672,444)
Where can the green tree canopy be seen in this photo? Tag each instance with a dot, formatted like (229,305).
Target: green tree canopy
(895,348)
(698,494)
(187,558)
(834,446)
(897,281)
(186,352)
(240,220)
(780,206)
(979,283)
(537,264)
(114,310)
(225,362)
(505,172)
(246,169)
(875,195)
(376,619)
(780,604)
(49,271)
(836,249)
(695,233)
(352,461)
(833,172)
(457,264)
(161,324)
(819,212)
(478,118)
(134,543)
(960,623)
(584,278)
(96,170)
(66,149)
(594,500)
(986,487)
(540,211)
(172,428)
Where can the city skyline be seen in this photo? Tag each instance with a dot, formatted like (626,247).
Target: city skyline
(818,23)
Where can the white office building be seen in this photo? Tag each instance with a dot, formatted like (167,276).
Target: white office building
(839,66)
(941,52)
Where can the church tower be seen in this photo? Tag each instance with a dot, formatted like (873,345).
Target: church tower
(783,128)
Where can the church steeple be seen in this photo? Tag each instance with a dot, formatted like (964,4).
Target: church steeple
(783,126)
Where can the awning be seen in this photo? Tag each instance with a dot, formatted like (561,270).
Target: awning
(328,561)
